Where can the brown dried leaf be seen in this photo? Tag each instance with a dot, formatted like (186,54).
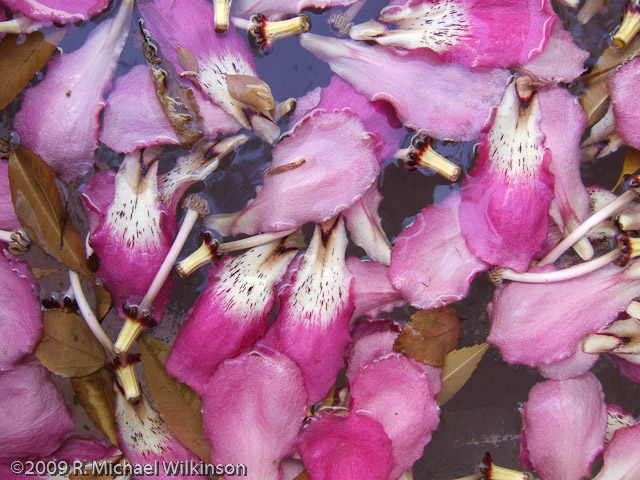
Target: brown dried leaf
(303,476)
(104,302)
(631,165)
(68,347)
(95,394)
(177,403)
(459,365)
(42,212)
(429,335)
(19,63)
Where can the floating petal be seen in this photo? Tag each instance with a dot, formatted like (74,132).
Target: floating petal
(621,459)
(61,12)
(624,89)
(372,290)
(281,8)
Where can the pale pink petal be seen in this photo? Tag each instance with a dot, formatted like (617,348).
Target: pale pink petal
(8,219)
(622,456)
(72,94)
(325,165)
(379,117)
(58,11)
(312,327)
(348,447)
(560,61)
(35,419)
(85,448)
(133,235)
(536,324)
(617,418)
(20,321)
(624,89)
(475,33)
(396,393)
(455,105)
(252,410)
(575,365)
(372,290)
(563,123)
(564,424)
(230,315)
(431,264)
(506,197)
(291,468)
(627,369)
(281,8)
(133,117)
(145,439)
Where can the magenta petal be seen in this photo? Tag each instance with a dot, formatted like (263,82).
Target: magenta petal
(35,419)
(8,219)
(86,449)
(146,440)
(430,262)
(312,327)
(72,93)
(456,105)
(20,322)
(475,33)
(543,323)
(325,165)
(372,290)
(275,9)
(252,410)
(230,315)
(58,11)
(352,447)
(624,89)
(564,424)
(505,199)
(621,459)
(560,61)
(627,369)
(396,393)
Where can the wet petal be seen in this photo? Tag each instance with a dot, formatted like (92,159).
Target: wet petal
(260,424)
(281,8)
(564,424)
(624,89)
(627,369)
(536,324)
(35,419)
(8,219)
(351,447)
(230,315)
(72,93)
(312,327)
(505,199)
(85,448)
(474,33)
(573,366)
(621,459)
(456,105)
(58,11)
(372,290)
(325,165)
(431,264)
(20,321)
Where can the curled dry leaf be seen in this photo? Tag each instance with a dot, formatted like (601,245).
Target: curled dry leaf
(429,335)
(303,476)
(19,63)
(631,165)
(41,210)
(178,404)
(68,347)
(104,302)
(95,394)
(458,367)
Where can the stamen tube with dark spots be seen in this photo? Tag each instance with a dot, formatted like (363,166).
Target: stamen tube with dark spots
(422,154)
(263,32)
(127,378)
(630,24)
(135,323)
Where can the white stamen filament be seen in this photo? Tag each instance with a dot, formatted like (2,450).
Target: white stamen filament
(343,21)
(241,23)
(629,220)
(16,25)
(591,222)
(633,309)
(88,315)
(5,236)
(598,343)
(589,10)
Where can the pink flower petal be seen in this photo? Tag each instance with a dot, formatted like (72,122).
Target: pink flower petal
(372,290)
(352,447)
(564,424)
(536,324)
(72,93)
(455,106)
(475,33)
(325,165)
(35,419)
(572,366)
(252,409)
(146,440)
(20,321)
(133,235)
(560,61)
(505,199)
(627,369)
(312,327)
(396,393)
(85,448)
(8,219)
(58,11)
(624,89)
(275,9)
(230,315)
(430,262)
(621,459)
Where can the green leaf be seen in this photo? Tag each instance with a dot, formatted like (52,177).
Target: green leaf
(459,365)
